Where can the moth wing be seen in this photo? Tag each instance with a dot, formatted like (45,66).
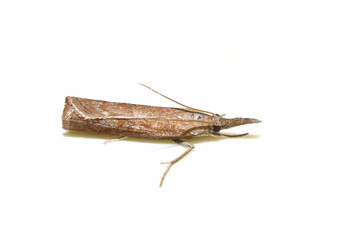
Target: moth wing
(98,109)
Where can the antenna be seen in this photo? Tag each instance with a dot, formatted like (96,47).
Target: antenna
(187,107)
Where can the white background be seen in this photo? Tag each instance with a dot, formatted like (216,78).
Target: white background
(292,64)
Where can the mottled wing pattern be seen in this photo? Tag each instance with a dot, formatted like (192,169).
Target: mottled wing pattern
(124,119)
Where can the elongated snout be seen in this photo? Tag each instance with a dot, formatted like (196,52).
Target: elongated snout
(233,122)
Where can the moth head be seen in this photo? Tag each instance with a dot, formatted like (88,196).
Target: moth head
(233,122)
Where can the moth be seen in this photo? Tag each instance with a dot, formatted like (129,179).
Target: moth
(142,121)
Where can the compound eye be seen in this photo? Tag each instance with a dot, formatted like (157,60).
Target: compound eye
(216,128)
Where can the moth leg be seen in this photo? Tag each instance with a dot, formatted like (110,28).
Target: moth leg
(189,147)
(229,135)
(114,140)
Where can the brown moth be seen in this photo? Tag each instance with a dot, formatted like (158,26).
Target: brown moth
(142,121)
